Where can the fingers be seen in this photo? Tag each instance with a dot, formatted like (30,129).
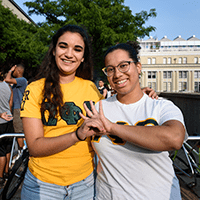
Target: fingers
(6,117)
(92,126)
(153,94)
(91,112)
(83,116)
(88,112)
(94,111)
(101,109)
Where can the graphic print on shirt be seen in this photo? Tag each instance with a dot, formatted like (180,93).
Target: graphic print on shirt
(69,112)
(117,140)
(25,97)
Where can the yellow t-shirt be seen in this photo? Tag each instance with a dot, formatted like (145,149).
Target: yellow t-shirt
(75,163)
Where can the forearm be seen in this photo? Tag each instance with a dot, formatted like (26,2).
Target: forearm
(9,79)
(167,137)
(46,146)
(39,145)
(9,75)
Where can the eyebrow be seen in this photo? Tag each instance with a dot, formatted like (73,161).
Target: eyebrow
(117,65)
(64,43)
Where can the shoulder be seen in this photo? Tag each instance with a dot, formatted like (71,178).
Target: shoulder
(21,79)
(89,88)
(86,83)
(36,85)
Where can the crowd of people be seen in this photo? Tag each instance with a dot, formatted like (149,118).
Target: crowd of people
(12,86)
(128,128)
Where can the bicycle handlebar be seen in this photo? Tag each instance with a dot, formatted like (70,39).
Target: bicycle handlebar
(193,138)
(12,135)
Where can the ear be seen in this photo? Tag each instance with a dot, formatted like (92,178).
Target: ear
(54,52)
(139,67)
(82,59)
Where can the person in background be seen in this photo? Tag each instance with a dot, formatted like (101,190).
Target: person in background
(138,133)
(6,126)
(15,78)
(102,89)
(107,86)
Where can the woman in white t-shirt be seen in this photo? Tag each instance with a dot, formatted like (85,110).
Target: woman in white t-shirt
(138,133)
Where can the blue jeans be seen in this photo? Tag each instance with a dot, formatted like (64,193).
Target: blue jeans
(34,189)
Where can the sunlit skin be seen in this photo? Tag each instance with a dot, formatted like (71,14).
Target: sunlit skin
(69,54)
(126,84)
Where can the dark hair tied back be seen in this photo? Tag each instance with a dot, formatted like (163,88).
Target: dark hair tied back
(131,47)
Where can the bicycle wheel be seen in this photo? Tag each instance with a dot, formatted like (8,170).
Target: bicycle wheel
(16,177)
(181,167)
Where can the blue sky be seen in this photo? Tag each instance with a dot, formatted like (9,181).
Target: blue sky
(174,17)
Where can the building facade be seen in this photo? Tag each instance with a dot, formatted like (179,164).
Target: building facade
(171,66)
(16,10)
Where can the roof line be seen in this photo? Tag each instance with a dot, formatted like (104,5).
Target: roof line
(15,4)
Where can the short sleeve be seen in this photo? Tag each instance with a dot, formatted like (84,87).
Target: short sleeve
(169,111)
(30,106)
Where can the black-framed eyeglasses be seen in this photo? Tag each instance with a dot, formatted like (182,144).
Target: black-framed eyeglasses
(122,67)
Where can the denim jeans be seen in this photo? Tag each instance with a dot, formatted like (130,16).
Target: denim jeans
(34,189)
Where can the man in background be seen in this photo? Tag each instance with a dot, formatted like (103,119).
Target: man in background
(19,83)
(102,89)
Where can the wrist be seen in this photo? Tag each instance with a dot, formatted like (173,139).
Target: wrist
(76,133)
(10,70)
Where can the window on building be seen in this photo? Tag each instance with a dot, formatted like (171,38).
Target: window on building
(149,61)
(152,85)
(199,60)
(152,74)
(167,74)
(167,87)
(180,60)
(195,60)
(182,86)
(169,61)
(197,86)
(196,74)
(153,60)
(184,60)
(182,74)
(164,60)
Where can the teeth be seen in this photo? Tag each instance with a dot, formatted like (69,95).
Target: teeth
(120,82)
(67,61)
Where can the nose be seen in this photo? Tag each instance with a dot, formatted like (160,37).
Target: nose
(117,73)
(69,53)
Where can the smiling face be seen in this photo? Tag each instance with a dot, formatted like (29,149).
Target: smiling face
(126,84)
(69,54)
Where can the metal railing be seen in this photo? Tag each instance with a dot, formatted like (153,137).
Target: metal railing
(15,136)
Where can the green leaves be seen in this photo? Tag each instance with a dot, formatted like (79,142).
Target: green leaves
(20,41)
(107,21)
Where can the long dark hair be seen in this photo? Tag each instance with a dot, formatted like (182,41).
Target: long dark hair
(131,47)
(52,93)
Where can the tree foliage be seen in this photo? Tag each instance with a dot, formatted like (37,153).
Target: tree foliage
(108,21)
(20,42)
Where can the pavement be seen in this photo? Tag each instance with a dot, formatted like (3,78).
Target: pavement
(188,193)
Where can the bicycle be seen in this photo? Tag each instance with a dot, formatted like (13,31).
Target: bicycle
(18,171)
(186,160)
